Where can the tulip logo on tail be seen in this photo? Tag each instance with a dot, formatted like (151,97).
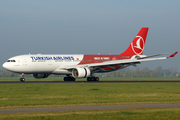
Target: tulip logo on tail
(138,45)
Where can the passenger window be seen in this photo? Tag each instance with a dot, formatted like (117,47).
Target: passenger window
(8,61)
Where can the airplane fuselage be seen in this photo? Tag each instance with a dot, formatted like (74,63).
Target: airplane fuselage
(55,63)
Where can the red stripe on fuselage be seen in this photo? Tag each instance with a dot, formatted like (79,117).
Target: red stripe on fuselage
(88,59)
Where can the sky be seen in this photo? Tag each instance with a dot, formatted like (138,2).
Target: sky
(89,27)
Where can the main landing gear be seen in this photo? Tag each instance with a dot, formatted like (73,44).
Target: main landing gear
(93,79)
(21,75)
(69,78)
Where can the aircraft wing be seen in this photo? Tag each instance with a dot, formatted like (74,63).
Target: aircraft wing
(121,62)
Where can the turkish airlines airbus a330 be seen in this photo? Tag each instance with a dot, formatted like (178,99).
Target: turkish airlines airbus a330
(80,66)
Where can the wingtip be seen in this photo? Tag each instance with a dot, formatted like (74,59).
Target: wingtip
(173,54)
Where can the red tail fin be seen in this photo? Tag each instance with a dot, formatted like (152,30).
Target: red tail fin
(137,45)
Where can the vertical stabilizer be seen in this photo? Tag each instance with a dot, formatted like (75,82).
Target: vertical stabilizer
(137,45)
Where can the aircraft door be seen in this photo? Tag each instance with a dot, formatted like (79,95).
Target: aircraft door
(24,62)
(49,62)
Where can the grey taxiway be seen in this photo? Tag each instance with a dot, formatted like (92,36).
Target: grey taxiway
(48,109)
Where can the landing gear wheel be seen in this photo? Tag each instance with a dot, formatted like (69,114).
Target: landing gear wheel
(89,79)
(65,78)
(93,79)
(22,79)
(97,78)
(73,79)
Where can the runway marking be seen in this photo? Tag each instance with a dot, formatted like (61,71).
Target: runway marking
(48,109)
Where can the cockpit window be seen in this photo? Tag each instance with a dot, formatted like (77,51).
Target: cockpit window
(11,61)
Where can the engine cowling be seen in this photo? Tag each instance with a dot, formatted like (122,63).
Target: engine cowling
(81,72)
(40,75)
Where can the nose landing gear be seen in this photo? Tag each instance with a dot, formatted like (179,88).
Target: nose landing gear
(22,79)
(21,75)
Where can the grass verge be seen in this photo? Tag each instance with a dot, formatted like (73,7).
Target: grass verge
(69,94)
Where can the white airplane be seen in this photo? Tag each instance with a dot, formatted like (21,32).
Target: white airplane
(80,66)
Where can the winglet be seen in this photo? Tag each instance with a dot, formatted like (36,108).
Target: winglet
(173,54)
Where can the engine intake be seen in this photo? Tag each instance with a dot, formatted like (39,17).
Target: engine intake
(40,75)
(81,72)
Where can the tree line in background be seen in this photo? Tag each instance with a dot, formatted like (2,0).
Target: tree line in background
(145,72)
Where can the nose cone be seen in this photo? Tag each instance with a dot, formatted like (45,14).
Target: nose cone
(6,66)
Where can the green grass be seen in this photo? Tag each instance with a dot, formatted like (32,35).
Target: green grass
(68,94)
(125,114)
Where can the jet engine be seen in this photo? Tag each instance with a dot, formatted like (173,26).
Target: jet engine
(81,72)
(40,75)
